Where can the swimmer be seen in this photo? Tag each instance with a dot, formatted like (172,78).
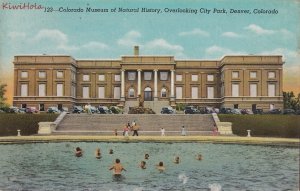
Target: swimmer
(147,156)
(117,167)
(160,167)
(177,160)
(143,165)
(111,151)
(78,152)
(199,157)
(98,153)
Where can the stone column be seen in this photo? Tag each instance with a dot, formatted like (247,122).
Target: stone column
(139,82)
(172,84)
(123,85)
(155,85)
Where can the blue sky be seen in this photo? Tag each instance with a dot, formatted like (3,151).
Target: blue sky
(186,36)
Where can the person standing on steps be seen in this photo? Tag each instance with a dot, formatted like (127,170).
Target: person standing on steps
(183,132)
(135,129)
(162,131)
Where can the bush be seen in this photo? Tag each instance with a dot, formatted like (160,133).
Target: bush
(287,126)
(27,123)
(140,110)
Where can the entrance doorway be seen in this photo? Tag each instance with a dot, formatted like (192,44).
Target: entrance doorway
(148,94)
(253,107)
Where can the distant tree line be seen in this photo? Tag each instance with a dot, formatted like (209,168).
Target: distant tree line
(3,99)
(290,101)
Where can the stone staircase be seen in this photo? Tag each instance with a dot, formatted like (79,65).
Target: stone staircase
(149,124)
(156,105)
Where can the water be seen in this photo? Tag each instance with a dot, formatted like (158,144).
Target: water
(53,166)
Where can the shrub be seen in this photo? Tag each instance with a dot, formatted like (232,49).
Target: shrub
(27,123)
(287,126)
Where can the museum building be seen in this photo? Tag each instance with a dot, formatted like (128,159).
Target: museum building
(241,81)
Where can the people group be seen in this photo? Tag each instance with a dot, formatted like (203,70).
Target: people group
(128,128)
(117,167)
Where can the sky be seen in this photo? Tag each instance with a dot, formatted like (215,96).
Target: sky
(96,35)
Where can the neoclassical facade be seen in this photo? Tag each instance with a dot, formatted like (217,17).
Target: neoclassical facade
(248,81)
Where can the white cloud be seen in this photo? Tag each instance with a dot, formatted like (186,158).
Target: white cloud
(217,51)
(67,48)
(231,35)
(95,45)
(290,56)
(16,35)
(194,32)
(130,38)
(259,30)
(163,44)
(51,34)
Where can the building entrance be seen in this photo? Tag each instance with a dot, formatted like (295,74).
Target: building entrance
(148,94)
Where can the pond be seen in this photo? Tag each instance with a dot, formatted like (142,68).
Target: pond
(53,166)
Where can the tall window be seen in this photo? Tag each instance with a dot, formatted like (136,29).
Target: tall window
(253,90)
(101,77)
(271,74)
(163,92)
(86,77)
(253,74)
(194,77)
(101,92)
(42,89)
(117,92)
(59,74)
(235,74)
(210,92)
(235,90)
(210,77)
(59,90)
(147,75)
(271,90)
(24,89)
(131,92)
(117,78)
(178,92)
(131,76)
(24,74)
(42,74)
(86,92)
(73,91)
(194,92)
(178,77)
(163,76)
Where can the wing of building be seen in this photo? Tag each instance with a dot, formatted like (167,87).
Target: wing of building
(244,81)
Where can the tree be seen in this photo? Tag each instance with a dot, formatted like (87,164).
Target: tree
(2,93)
(290,101)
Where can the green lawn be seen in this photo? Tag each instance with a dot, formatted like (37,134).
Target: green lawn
(264,125)
(27,123)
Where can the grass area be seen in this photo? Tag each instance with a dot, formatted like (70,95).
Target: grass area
(27,123)
(287,126)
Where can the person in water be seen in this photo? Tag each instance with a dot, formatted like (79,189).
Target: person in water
(199,157)
(111,151)
(161,167)
(98,153)
(143,165)
(177,160)
(146,156)
(78,152)
(117,167)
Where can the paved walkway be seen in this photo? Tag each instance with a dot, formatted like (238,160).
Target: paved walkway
(204,139)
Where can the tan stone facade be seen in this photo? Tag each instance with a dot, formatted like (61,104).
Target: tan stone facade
(234,81)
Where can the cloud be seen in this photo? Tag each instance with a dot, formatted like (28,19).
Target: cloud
(231,35)
(194,32)
(259,30)
(217,52)
(51,34)
(95,45)
(16,35)
(129,39)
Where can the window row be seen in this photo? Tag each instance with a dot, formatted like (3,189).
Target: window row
(253,74)
(42,74)
(195,92)
(194,77)
(235,88)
